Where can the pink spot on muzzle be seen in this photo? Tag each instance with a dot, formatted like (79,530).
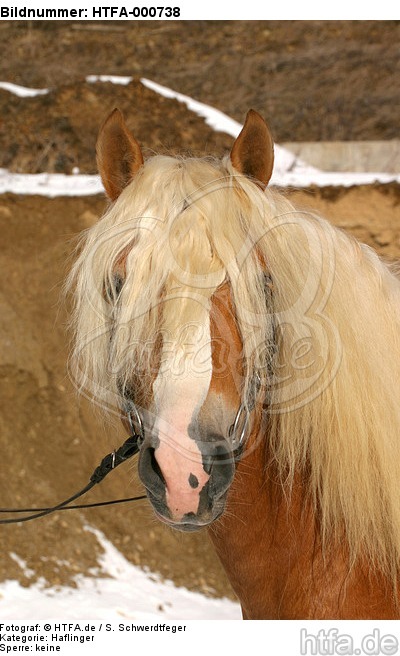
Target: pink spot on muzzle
(181,465)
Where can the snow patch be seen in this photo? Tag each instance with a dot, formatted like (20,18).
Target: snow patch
(22,92)
(120,590)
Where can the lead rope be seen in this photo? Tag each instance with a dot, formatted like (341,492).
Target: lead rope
(110,461)
(130,448)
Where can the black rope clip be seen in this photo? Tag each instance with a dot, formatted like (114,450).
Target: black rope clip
(112,460)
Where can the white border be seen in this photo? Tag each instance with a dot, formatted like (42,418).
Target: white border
(233,10)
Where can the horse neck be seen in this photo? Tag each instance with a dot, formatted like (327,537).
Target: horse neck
(269,545)
(254,537)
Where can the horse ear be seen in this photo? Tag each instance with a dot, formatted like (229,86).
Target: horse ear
(253,151)
(119,156)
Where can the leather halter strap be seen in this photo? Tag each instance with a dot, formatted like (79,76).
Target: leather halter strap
(237,432)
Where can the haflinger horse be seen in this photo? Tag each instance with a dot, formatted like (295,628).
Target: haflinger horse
(258,348)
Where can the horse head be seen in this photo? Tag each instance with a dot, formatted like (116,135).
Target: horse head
(190,396)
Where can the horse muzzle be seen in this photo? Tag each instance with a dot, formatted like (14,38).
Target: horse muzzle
(187,489)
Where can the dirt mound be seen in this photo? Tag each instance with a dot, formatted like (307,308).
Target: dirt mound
(313,80)
(57,132)
(292,72)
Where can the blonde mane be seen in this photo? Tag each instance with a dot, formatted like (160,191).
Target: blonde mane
(319,316)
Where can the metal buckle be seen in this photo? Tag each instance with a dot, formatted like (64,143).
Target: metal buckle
(238,430)
(132,410)
(238,439)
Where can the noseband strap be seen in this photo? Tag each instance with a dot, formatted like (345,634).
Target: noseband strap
(237,431)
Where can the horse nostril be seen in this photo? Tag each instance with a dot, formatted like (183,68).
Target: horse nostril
(150,473)
(222,471)
(155,466)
